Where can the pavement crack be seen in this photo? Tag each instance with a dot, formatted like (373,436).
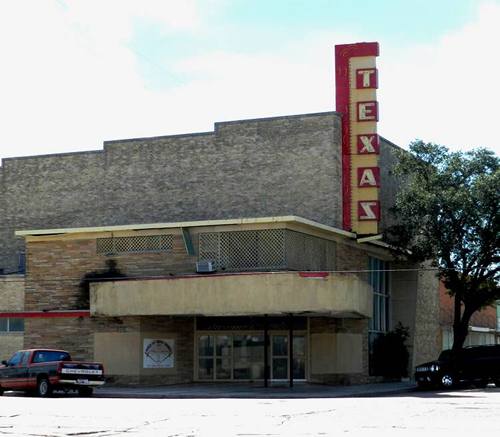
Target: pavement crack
(88,432)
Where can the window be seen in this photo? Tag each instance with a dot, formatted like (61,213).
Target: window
(21,262)
(379,280)
(47,356)
(16,359)
(498,315)
(11,324)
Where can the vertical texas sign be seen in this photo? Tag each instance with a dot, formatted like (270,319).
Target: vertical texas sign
(356,100)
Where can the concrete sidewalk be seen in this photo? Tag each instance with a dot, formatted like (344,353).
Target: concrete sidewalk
(240,391)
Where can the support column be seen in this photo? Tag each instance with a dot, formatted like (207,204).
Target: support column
(266,352)
(290,349)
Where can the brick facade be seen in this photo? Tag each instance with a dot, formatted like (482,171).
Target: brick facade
(252,168)
(11,299)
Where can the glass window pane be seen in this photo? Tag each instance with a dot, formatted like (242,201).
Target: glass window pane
(24,360)
(280,368)
(206,345)
(3,324)
(248,352)
(223,345)
(382,314)
(299,345)
(280,345)
(205,368)
(16,325)
(16,359)
(299,367)
(223,368)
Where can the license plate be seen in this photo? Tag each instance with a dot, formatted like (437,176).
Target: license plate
(82,381)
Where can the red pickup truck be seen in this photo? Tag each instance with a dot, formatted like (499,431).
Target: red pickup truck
(44,370)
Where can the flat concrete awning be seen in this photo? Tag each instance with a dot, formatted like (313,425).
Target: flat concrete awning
(338,294)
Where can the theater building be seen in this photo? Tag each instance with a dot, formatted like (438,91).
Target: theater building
(249,253)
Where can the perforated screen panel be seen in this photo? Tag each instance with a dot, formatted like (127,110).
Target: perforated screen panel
(244,250)
(268,249)
(139,244)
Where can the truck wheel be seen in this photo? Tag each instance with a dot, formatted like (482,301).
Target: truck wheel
(43,388)
(482,384)
(447,380)
(85,391)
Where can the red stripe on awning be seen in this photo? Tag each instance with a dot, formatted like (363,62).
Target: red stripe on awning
(44,314)
(313,274)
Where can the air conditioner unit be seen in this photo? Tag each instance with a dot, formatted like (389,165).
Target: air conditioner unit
(205,267)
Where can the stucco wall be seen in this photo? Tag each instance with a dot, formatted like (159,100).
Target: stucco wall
(230,295)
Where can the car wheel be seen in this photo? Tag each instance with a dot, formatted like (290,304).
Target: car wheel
(447,380)
(43,388)
(497,382)
(85,391)
(1,391)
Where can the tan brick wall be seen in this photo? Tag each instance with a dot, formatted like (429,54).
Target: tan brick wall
(56,268)
(9,343)
(12,293)
(427,341)
(11,299)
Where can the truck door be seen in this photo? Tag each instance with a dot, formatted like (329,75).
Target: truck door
(12,370)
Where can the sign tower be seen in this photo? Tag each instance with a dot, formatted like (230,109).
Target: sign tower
(356,100)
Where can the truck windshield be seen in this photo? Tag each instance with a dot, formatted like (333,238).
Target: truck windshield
(46,356)
(445,355)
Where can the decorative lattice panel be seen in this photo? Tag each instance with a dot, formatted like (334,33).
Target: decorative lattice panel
(306,252)
(269,249)
(139,244)
(244,250)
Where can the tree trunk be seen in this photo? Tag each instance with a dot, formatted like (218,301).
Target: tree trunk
(460,324)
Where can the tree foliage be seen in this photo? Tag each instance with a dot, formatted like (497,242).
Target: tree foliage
(448,212)
(390,353)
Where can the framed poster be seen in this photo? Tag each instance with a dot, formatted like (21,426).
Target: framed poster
(158,353)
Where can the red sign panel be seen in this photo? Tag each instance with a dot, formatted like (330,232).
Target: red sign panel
(369,210)
(367,111)
(366,78)
(368,177)
(368,143)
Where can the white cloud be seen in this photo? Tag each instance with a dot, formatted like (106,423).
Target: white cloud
(447,92)
(70,81)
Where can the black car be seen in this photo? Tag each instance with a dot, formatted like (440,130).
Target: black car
(478,365)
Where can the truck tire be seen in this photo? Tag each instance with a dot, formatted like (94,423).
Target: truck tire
(481,384)
(447,380)
(85,391)
(43,387)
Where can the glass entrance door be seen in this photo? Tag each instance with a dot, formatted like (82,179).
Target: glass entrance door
(280,353)
(227,356)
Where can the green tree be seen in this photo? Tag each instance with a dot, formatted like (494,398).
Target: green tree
(448,212)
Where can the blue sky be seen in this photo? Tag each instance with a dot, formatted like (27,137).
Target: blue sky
(77,73)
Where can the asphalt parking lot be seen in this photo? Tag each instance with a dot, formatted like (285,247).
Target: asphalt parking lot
(457,413)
